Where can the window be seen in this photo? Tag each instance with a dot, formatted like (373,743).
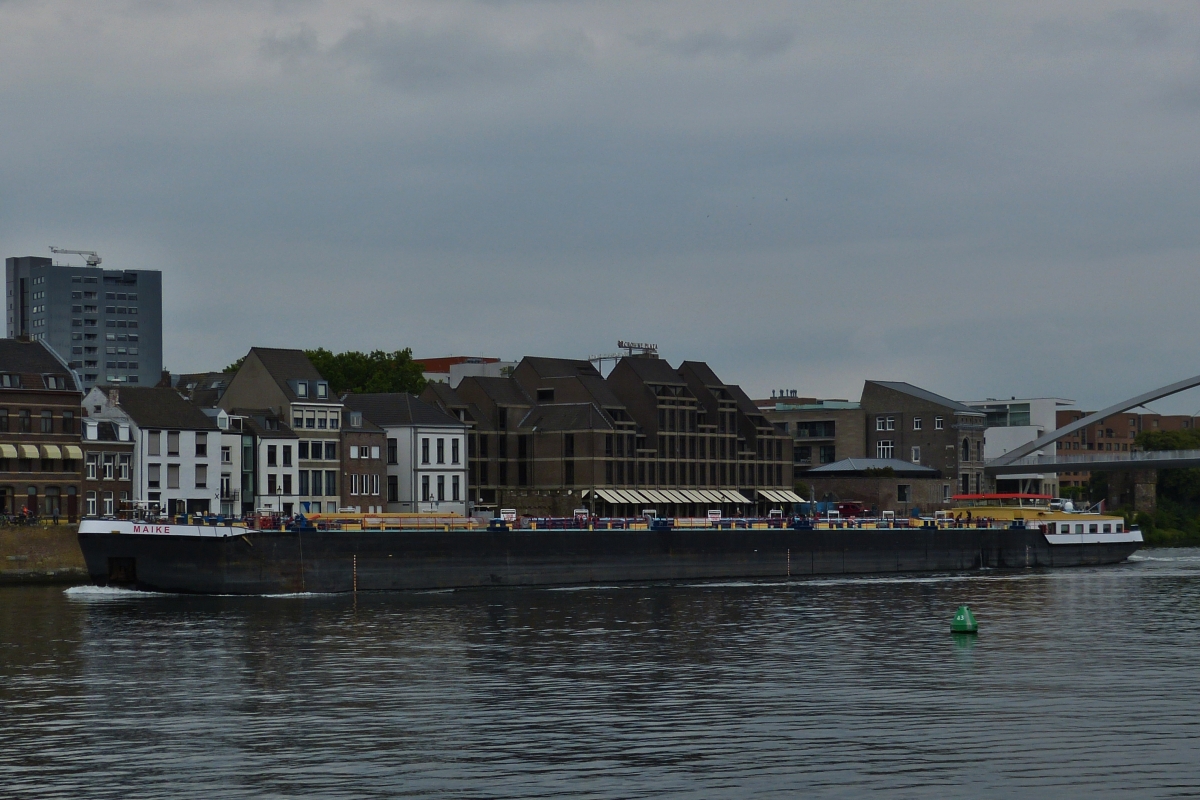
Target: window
(201,476)
(304,481)
(153,443)
(272,483)
(318,483)
(903,493)
(454,488)
(172,476)
(885,423)
(172,443)
(425,488)
(297,419)
(330,453)
(425,451)
(91,504)
(47,422)
(92,466)
(322,390)
(441,451)
(110,466)
(310,419)
(201,445)
(272,457)
(68,422)
(454,446)
(301,389)
(375,453)
(393,485)
(938,424)
(153,475)
(375,485)
(502,418)
(916,455)
(124,467)
(302,451)
(916,423)
(287,455)
(354,451)
(392,455)
(330,483)
(4,420)
(108,504)
(885,448)
(333,420)
(25,423)
(966,449)
(226,455)
(441,488)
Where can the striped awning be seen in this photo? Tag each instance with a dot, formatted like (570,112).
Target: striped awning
(51,451)
(28,451)
(734,497)
(73,452)
(8,451)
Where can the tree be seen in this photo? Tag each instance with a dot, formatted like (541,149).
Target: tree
(235,366)
(377,371)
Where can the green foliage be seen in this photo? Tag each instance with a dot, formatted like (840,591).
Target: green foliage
(802,489)
(235,366)
(1187,439)
(879,472)
(377,371)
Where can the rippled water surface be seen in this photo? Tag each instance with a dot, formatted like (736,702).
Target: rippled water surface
(1081,683)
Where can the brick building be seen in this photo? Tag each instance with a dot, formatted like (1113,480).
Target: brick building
(40,456)
(557,435)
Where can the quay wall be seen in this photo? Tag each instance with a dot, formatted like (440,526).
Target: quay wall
(41,554)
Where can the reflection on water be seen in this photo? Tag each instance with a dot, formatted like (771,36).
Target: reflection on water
(1080,683)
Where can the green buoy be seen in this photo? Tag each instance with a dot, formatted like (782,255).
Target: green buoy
(964,621)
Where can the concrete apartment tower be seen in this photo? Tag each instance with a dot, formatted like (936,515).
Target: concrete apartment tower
(107,324)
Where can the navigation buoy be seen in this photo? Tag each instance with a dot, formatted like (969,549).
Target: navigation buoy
(964,621)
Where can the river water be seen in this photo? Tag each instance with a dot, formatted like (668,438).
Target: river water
(1082,682)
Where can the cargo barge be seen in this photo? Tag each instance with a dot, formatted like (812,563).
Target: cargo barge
(387,552)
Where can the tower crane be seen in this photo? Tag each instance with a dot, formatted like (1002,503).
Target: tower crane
(93,258)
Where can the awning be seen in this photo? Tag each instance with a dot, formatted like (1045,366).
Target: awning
(656,496)
(696,495)
(51,451)
(72,452)
(635,497)
(7,451)
(608,496)
(623,496)
(734,497)
(713,496)
(29,451)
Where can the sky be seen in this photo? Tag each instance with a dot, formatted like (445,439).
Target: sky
(986,200)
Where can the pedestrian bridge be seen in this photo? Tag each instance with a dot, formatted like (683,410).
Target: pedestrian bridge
(1096,462)
(1026,458)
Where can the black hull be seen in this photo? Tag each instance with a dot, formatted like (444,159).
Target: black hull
(272,562)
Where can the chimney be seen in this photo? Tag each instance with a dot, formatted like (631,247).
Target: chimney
(114,399)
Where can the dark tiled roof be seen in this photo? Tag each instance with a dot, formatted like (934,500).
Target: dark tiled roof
(561,367)
(930,397)
(703,373)
(284,365)
(398,408)
(444,393)
(502,391)
(600,391)
(32,360)
(653,370)
(152,407)
(856,466)
(566,417)
(204,388)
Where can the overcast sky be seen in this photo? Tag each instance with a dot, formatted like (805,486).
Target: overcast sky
(982,199)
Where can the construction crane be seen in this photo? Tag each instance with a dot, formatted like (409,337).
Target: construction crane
(93,258)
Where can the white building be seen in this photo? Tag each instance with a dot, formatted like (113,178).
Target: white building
(426,452)
(259,462)
(176,446)
(1012,423)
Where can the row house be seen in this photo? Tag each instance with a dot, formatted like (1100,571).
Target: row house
(424,449)
(175,451)
(259,462)
(40,454)
(557,433)
(285,383)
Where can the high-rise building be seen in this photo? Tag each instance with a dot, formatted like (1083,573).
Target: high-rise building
(107,324)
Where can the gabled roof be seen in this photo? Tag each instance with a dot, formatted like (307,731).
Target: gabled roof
(928,396)
(204,388)
(857,466)
(703,373)
(287,364)
(154,407)
(653,370)
(33,359)
(398,408)
(444,393)
(561,367)
(566,417)
(502,391)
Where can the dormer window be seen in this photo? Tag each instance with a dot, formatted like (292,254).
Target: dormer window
(301,389)
(355,419)
(322,390)
(9,381)
(55,381)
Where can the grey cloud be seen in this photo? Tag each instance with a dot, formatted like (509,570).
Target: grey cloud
(298,43)
(753,45)
(424,56)
(1120,29)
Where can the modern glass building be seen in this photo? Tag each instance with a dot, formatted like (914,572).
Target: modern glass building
(107,324)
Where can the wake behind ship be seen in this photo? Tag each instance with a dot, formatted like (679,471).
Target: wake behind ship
(381,552)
